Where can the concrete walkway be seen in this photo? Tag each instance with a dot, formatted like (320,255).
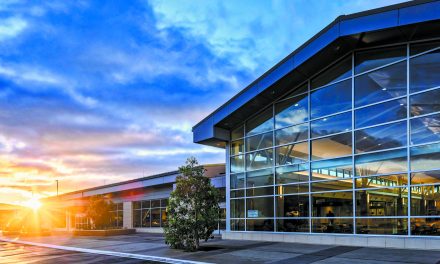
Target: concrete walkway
(233,251)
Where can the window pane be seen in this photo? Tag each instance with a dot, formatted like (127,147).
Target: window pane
(333,146)
(382,181)
(259,191)
(237,225)
(259,178)
(291,134)
(259,159)
(146,217)
(382,226)
(332,169)
(331,125)
(380,113)
(292,174)
(237,181)
(137,205)
(425,157)
(137,218)
(422,47)
(331,99)
(237,133)
(425,103)
(259,207)
(293,225)
(237,163)
(291,154)
(237,194)
(259,225)
(261,123)
(370,59)
(425,129)
(291,111)
(146,204)
(339,71)
(298,90)
(155,217)
(382,202)
(292,188)
(237,147)
(425,226)
(332,204)
(293,205)
(385,162)
(259,141)
(333,225)
(237,208)
(380,85)
(425,200)
(324,186)
(425,177)
(425,71)
(155,203)
(381,137)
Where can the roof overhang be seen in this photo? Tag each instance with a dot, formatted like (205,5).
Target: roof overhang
(408,21)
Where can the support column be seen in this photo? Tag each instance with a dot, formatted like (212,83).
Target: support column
(127,220)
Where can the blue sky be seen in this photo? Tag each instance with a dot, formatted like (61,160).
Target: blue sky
(95,92)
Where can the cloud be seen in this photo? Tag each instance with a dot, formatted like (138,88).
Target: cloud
(11,27)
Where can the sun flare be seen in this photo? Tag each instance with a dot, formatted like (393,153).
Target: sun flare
(33,203)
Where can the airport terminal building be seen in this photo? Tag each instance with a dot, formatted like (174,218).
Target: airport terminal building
(340,142)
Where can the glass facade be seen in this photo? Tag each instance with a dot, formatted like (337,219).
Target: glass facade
(354,150)
(150,213)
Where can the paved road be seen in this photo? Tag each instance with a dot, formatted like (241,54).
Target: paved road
(16,253)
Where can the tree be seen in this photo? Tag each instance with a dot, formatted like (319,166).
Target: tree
(192,208)
(98,211)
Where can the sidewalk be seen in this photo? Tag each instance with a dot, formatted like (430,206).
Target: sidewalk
(234,251)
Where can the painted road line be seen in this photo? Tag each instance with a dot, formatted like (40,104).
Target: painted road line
(105,252)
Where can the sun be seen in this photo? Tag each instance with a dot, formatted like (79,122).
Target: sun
(33,203)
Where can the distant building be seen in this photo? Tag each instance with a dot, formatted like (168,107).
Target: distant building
(340,141)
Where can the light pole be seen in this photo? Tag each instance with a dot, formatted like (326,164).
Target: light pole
(57,187)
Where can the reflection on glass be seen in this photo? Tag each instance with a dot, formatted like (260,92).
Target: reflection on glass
(383,84)
(425,129)
(237,193)
(237,208)
(259,159)
(293,153)
(332,204)
(382,226)
(291,134)
(339,71)
(292,173)
(292,188)
(425,177)
(298,90)
(293,206)
(380,113)
(332,146)
(262,122)
(382,181)
(385,162)
(332,225)
(237,133)
(259,178)
(259,141)
(259,191)
(370,59)
(137,217)
(422,47)
(237,225)
(425,200)
(332,169)
(426,157)
(382,202)
(331,125)
(291,111)
(425,103)
(424,71)
(293,225)
(237,163)
(425,226)
(381,137)
(331,99)
(324,186)
(145,218)
(155,217)
(237,180)
(259,207)
(237,147)
(259,225)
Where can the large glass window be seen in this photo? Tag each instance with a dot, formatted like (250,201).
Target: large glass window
(262,122)
(324,186)
(382,202)
(237,181)
(237,163)
(293,225)
(332,225)
(333,146)
(292,188)
(331,125)
(332,204)
(259,159)
(425,226)
(292,174)
(425,177)
(291,134)
(424,71)
(383,84)
(380,113)
(426,157)
(259,141)
(425,200)
(237,208)
(425,103)
(237,147)
(259,178)
(385,162)
(331,99)
(382,226)
(293,153)
(370,59)
(425,129)
(332,169)
(381,137)
(291,111)
(382,181)
(149,213)
(259,207)
(260,225)
(293,205)
(237,133)
(339,71)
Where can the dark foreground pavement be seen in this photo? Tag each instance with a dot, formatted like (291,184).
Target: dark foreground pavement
(214,251)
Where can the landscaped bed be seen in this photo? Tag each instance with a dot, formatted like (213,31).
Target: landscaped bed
(104,232)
